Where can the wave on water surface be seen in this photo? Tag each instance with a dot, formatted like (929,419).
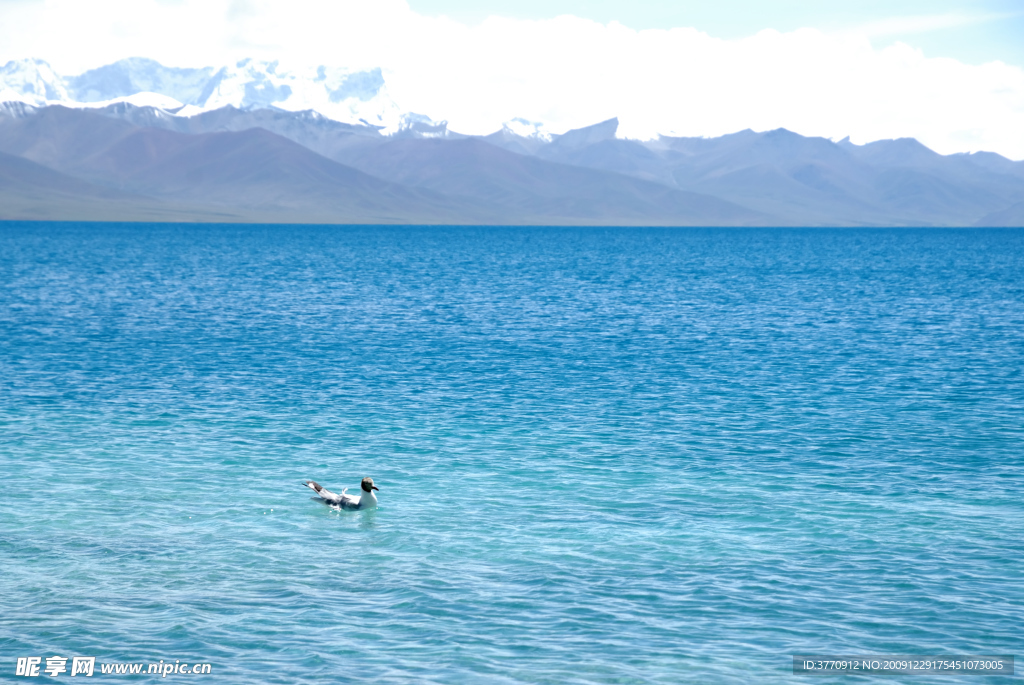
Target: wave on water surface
(605,455)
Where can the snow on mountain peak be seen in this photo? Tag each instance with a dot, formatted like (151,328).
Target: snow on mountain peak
(356,97)
(342,84)
(345,95)
(32,81)
(527,129)
(133,75)
(414,125)
(147,99)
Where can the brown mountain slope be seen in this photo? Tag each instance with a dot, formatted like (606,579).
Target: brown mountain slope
(539,190)
(251,175)
(256,169)
(30,191)
(1010,217)
(262,176)
(58,137)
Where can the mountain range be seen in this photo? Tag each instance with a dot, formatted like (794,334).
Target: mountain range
(138,141)
(352,96)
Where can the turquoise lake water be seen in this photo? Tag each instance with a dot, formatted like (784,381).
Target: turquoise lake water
(604,455)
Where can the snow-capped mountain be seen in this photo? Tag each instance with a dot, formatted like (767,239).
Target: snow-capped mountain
(32,81)
(135,75)
(524,128)
(264,162)
(522,136)
(345,95)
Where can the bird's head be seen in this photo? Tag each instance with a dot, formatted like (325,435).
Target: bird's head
(368,485)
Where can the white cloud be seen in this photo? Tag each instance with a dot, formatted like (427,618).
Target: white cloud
(566,72)
(925,23)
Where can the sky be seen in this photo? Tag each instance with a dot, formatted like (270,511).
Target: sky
(947,72)
(972,31)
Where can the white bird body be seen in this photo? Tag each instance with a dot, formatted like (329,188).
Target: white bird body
(365,500)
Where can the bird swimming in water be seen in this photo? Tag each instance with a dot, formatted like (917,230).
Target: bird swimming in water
(366,500)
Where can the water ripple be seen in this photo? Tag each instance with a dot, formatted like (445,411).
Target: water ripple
(605,455)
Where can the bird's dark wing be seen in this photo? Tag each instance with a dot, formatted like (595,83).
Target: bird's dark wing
(325,494)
